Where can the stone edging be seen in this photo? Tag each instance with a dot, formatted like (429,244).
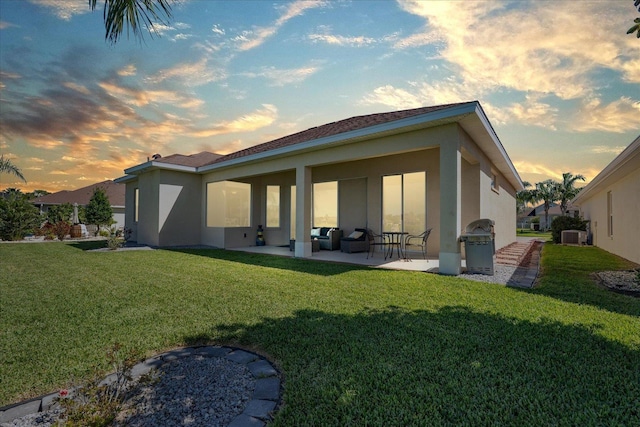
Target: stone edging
(265,399)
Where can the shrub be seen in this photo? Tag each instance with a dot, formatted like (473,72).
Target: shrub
(561,223)
(59,213)
(115,239)
(47,231)
(18,217)
(98,402)
(61,229)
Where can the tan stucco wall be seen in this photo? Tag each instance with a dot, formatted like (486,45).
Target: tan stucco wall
(363,164)
(498,204)
(169,207)
(129,209)
(625,241)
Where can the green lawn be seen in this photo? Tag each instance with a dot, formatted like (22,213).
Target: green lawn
(543,235)
(356,346)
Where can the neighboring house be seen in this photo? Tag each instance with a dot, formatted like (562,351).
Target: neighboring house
(554,212)
(611,202)
(434,167)
(115,192)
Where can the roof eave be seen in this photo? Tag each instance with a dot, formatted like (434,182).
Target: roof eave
(421,120)
(626,155)
(496,151)
(152,165)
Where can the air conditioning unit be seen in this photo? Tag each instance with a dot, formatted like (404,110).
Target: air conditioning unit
(574,237)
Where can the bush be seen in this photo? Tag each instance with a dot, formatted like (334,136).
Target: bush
(61,229)
(18,217)
(561,223)
(59,213)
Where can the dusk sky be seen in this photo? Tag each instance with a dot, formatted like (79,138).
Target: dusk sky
(558,80)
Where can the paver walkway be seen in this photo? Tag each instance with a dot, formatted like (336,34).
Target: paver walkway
(525,256)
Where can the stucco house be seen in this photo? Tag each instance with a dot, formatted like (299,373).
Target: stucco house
(611,202)
(114,191)
(437,167)
(554,212)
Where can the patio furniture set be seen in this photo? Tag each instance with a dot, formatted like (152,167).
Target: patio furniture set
(366,240)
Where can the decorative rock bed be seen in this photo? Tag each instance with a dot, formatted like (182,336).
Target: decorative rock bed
(624,281)
(194,386)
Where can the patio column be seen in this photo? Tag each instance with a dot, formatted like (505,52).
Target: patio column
(303,212)
(450,208)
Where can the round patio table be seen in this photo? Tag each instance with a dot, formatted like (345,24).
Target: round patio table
(395,241)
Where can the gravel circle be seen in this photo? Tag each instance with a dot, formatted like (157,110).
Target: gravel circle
(194,391)
(625,281)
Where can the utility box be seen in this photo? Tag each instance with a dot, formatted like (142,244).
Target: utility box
(480,246)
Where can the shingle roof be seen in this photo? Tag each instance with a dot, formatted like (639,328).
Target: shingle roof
(193,160)
(335,128)
(81,196)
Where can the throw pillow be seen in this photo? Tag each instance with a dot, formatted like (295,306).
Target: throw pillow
(356,235)
(315,232)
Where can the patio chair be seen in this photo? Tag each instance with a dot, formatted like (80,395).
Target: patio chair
(376,240)
(417,240)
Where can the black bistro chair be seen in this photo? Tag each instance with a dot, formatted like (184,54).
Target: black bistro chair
(417,240)
(376,240)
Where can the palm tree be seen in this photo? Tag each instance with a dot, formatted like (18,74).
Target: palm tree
(523,197)
(546,191)
(132,14)
(567,190)
(6,166)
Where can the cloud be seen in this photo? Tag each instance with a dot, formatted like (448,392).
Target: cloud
(353,41)
(539,47)
(282,77)
(168,30)
(253,39)
(247,123)
(4,25)
(217,30)
(421,94)
(140,97)
(129,70)
(531,112)
(617,116)
(605,149)
(64,9)
(190,73)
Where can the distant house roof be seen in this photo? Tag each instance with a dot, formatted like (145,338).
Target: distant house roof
(554,209)
(81,196)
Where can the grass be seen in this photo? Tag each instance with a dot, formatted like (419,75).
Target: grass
(543,235)
(356,346)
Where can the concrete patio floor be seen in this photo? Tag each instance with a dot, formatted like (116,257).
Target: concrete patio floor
(416,263)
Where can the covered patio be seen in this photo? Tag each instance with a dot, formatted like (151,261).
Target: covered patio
(415,263)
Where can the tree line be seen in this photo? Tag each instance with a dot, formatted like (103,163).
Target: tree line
(19,217)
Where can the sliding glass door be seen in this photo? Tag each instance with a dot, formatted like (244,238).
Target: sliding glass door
(404,206)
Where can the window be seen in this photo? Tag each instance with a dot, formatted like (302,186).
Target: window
(404,202)
(228,204)
(273,206)
(609,214)
(325,204)
(136,204)
(494,181)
